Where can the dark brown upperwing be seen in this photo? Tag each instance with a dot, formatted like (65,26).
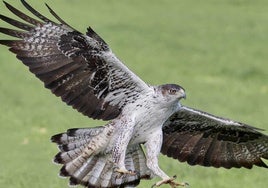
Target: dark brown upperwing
(81,69)
(203,139)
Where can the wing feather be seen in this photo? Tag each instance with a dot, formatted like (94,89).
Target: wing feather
(204,139)
(22,15)
(81,69)
(16,23)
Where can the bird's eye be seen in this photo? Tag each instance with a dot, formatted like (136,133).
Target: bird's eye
(172,91)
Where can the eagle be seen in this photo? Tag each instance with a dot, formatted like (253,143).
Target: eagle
(142,120)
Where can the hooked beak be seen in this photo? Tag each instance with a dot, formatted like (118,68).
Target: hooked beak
(182,94)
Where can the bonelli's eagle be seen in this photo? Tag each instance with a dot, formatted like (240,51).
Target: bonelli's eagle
(84,72)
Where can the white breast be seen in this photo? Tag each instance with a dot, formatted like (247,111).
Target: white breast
(149,116)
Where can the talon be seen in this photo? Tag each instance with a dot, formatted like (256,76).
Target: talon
(171,182)
(125,171)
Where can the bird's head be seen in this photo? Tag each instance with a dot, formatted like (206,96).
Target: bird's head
(172,91)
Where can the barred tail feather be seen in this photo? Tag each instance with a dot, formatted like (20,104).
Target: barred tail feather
(85,164)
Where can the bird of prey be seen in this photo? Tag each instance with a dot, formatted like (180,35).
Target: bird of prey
(143,120)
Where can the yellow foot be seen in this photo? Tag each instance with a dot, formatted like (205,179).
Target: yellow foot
(171,182)
(125,171)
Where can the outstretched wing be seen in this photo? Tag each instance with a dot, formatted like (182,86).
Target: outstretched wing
(201,138)
(81,69)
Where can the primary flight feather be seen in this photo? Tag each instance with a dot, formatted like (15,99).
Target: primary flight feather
(84,72)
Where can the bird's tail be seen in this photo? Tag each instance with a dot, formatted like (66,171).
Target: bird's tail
(85,163)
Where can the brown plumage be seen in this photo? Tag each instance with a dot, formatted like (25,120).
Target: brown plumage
(73,66)
(203,139)
(85,74)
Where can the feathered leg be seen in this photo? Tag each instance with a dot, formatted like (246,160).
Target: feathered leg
(153,147)
(124,135)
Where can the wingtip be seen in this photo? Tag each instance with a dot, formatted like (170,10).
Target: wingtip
(72,132)
(48,6)
(64,172)
(6,42)
(7,4)
(73,181)
(58,159)
(25,4)
(23,1)
(263,162)
(57,16)
(56,138)
(2,16)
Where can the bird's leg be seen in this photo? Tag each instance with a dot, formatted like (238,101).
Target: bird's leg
(119,149)
(153,147)
(171,182)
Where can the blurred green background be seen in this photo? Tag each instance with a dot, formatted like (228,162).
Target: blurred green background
(215,49)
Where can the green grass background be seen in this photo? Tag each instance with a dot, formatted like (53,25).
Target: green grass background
(217,50)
